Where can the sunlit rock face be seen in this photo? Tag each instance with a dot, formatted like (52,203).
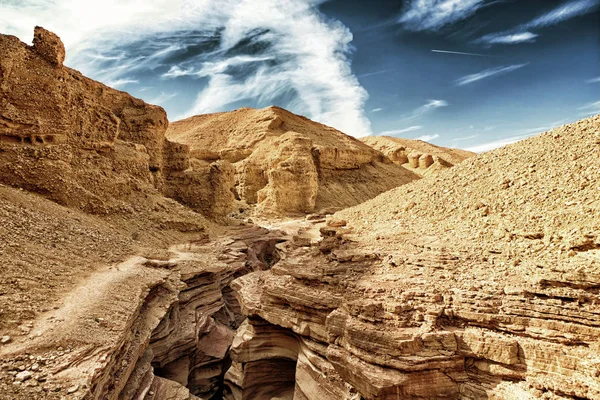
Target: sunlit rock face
(86,145)
(286,164)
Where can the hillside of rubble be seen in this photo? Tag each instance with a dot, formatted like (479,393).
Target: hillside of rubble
(479,282)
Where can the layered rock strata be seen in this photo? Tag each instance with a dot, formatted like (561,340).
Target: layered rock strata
(466,288)
(146,329)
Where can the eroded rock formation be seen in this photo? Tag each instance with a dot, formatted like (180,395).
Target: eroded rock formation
(418,156)
(480,283)
(287,164)
(88,146)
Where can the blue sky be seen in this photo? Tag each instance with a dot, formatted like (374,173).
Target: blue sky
(473,74)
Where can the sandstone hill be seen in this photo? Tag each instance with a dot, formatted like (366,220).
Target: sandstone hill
(421,157)
(479,282)
(285,163)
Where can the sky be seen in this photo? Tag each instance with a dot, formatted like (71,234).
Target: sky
(474,74)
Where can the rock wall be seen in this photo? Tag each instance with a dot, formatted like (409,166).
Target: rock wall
(86,145)
(360,332)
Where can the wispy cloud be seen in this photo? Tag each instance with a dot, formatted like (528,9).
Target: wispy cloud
(162,98)
(510,38)
(432,15)
(487,73)
(375,110)
(592,108)
(384,71)
(396,132)
(562,13)
(228,51)
(520,135)
(426,108)
(480,148)
(594,80)
(462,53)
(427,138)
(521,34)
(463,138)
(119,83)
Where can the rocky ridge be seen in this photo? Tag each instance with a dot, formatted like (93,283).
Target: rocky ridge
(418,156)
(89,146)
(288,164)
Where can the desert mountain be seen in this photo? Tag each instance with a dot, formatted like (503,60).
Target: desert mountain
(285,163)
(421,157)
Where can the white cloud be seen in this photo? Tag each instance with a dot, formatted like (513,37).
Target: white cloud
(426,108)
(463,138)
(564,12)
(520,34)
(395,132)
(594,80)
(432,15)
(592,108)
(487,73)
(375,110)
(480,148)
(162,98)
(119,83)
(427,138)
(521,135)
(511,38)
(300,55)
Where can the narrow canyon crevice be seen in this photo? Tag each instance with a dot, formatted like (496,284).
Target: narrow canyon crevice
(188,352)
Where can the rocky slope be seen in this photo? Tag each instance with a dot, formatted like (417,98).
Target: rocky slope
(418,156)
(288,164)
(482,281)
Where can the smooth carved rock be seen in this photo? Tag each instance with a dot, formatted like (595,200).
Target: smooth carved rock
(425,161)
(417,154)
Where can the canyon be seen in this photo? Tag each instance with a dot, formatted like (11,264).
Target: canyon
(257,254)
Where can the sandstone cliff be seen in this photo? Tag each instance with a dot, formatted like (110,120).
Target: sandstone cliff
(418,156)
(479,282)
(86,145)
(288,164)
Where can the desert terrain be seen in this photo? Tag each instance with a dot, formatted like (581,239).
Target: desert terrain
(256,254)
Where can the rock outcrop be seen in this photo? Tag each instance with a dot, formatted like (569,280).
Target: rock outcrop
(88,146)
(479,282)
(418,156)
(287,164)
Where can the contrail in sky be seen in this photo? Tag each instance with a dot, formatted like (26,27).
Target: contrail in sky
(463,54)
